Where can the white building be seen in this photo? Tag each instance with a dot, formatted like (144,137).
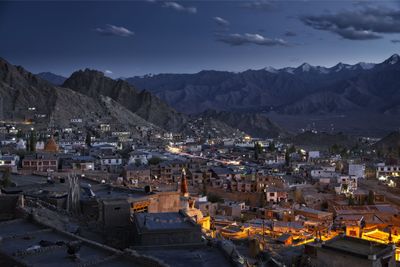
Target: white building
(140,157)
(324,172)
(9,161)
(357,170)
(347,184)
(313,155)
(385,171)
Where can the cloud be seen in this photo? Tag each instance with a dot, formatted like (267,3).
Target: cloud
(222,22)
(108,72)
(179,7)
(112,30)
(395,41)
(363,24)
(290,34)
(263,5)
(236,39)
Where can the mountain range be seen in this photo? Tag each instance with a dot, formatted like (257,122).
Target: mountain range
(303,90)
(91,96)
(360,98)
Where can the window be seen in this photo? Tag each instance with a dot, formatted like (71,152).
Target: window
(353,233)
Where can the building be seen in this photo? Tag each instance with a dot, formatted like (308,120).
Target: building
(78,163)
(51,146)
(313,155)
(139,157)
(346,184)
(276,195)
(324,172)
(9,161)
(232,209)
(42,162)
(170,228)
(315,215)
(387,170)
(357,170)
(137,174)
(110,162)
(346,251)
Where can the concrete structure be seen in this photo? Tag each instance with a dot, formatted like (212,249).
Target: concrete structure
(9,161)
(41,162)
(313,214)
(137,174)
(349,251)
(25,243)
(170,228)
(324,172)
(313,155)
(276,195)
(387,170)
(357,170)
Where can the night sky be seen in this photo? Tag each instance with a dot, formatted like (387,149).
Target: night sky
(130,38)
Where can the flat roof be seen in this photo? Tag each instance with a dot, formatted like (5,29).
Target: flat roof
(193,257)
(356,246)
(163,221)
(37,245)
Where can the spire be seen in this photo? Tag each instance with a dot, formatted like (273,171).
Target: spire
(184,186)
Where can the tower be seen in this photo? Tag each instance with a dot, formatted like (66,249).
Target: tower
(184,186)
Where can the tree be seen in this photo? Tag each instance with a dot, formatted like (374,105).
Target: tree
(371,198)
(6,181)
(204,182)
(292,149)
(287,158)
(20,134)
(298,196)
(257,150)
(271,147)
(351,201)
(32,141)
(335,148)
(88,139)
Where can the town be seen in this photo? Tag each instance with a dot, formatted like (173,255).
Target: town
(176,133)
(110,196)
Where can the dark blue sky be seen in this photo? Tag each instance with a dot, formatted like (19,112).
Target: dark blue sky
(138,37)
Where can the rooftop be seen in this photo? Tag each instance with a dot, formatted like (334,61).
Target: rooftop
(163,221)
(28,243)
(357,247)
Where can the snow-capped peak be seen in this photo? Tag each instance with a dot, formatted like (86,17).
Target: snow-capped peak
(289,70)
(340,66)
(393,59)
(322,70)
(366,66)
(305,67)
(271,69)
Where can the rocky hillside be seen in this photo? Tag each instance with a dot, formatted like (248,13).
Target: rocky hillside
(322,140)
(95,85)
(389,145)
(20,91)
(52,78)
(257,125)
